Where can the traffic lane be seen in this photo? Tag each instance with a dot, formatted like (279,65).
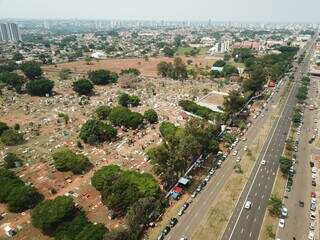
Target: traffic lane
(186,228)
(249,218)
(279,137)
(284,115)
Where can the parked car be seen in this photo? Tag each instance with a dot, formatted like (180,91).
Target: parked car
(166,230)
(313,207)
(263,162)
(194,194)
(301,203)
(281,223)
(314,183)
(212,171)
(313,195)
(311,235)
(173,222)
(312,216)
(312,225)
(284,212)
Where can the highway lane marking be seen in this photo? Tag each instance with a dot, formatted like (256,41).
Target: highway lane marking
(242,230)
(250,234)
(247,216)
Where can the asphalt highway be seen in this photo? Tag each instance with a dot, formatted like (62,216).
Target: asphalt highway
(245,224)
(200,206)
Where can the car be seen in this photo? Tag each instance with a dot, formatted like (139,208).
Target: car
(238,160)
(166,230)
(301,203)
(245,148)
(212,171)
(281,223)
(183,238)
(248,205)
(312,225)
(194,194)
(313,183)
(314,170)
(312,216)
(199,188)
(173,222)
(313,207)
(314,176)
(284,212)
(311,235)
(203,184)
(311,164)
(244,139)
(185,206)
(263,162)
(207,178)
(219,163)
(313,200)
(235,153)
(313,195)
(181,212)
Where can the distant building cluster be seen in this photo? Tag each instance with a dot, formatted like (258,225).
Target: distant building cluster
(9,32)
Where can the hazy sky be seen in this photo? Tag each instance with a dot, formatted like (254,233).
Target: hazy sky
(219,10)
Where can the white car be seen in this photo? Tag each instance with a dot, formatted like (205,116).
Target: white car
(238,160)
(263,162)
(248,205)
(313,200)
(281,223)
(245,148)
(284,212)
(235,153)
(314,170)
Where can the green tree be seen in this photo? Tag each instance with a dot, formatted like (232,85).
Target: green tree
(122,116)
(13,80)
(70,229)
(22,198)
(151,116)
(48,215)
(92,232)
(83,87)
(126,100)
(105,176)
(11,137)
(95,131)
(31,69)
(285,165)
(39,87)
(219,63)
(275,205)
(234,102)
(66,160)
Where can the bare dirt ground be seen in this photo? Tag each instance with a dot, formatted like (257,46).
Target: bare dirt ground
(147,68)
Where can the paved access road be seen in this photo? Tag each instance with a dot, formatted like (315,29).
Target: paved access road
(201,205)
(301,189)
(246,224)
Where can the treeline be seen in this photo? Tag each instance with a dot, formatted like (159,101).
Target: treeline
(181,147)
(198,110)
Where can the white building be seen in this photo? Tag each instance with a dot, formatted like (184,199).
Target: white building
(9,32)
(220,47)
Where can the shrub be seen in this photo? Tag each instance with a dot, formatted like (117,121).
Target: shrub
(13,80)
(126,100)
(39,87)
(196,109)
(83,87)
(102,77)
(133,71)
(31,69)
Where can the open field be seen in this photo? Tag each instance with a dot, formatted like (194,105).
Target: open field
(147,68)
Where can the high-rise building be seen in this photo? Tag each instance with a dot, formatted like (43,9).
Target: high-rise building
(9,32)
